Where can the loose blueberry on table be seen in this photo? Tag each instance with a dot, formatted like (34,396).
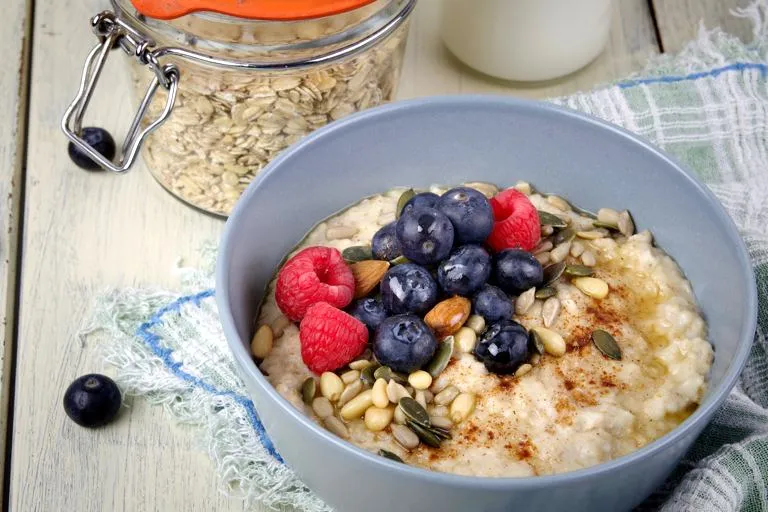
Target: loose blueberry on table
(92,400)
(100,140)
(444,256)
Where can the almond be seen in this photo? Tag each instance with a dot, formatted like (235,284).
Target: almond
(448,316)
(368,274)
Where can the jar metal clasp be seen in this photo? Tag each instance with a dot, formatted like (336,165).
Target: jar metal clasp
(114,33)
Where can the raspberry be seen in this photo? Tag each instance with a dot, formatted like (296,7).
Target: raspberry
(316,274)
(517,222)
(330,338)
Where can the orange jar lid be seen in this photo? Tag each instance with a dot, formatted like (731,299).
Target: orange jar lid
(283,10)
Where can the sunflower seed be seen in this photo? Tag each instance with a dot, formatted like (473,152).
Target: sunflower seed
(626,224)
(579,270)
(559,203)
(391,456)
(542,257)
(427,437)
(545,293)
(550,219)
(308,390)
(350,376)
(487,189)
(577,249)
(439,410)
(550,310)
(608,216)
(606,344)
(404,198)
(536,342)
(525,301)
(350,392)
(414,411)
(588,258)
(560,252)
(564,235)
(544,246)
(357,253)
(396,391)
(441,422)
(441,358)
(524,187)
(405,436)
(336,426)
(360,364)
(447,395)
(322,407)
(592,235)
(553,272)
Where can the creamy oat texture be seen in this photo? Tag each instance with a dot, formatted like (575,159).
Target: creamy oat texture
(569,412)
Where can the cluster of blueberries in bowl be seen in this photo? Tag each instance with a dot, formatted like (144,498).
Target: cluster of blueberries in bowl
(457,244)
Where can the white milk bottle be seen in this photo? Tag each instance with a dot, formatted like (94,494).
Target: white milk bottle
(526,40)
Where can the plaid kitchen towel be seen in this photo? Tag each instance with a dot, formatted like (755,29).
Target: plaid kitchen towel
(707,106)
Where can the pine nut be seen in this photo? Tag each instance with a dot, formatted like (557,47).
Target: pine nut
(447,395)
(560,252)
(322,407)
(462,407)
(379,391)
(335,425)
(279,325)
(525,300)
(441,422)
(577,249)
(625,223)
(399,416)
(351,391)
(405,437)
(331,386)
(591,235)
(588,258)
(261,344)
(524,368)
(476,323)
(340,232)
(360,364)
(487,189)
(439,384)
(524,187)
(350,376)
(592,286)
(542,257)
(357,406)
(465,340)
(420,398)
(377,419)
(396,391)
(439,410)
(608,216)
(553,343)
(544,246)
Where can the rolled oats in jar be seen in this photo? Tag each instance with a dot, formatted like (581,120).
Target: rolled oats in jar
(247,81)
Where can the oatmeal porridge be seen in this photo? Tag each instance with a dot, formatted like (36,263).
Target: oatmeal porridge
(539,340)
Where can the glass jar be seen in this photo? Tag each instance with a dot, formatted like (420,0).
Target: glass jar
(227,94)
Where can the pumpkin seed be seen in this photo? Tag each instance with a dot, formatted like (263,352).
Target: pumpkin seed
(427,437)
(357,253)
(550,219)
(553,272)
(391,456)
(536,342)
(585,213)
(579,270)
(606,344)
(399,261)
(367,375)
(441,358)
(564,235)
(544,293)
(387,373)
(441,433)
(626,223)
(404,198)
(414,411)
(309,390)
(605,225)
(525,301)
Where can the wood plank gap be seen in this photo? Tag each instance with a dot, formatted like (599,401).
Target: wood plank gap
(18,187)
(656,29)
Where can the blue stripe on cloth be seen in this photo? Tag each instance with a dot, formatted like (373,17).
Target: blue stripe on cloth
(152,341)
(670,79)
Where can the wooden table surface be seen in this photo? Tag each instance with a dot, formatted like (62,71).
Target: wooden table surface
(66,233)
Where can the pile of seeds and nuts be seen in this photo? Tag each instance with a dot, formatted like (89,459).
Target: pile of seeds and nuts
(412,288)
(226,126)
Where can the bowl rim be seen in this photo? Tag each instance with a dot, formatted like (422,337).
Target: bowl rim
(700,416)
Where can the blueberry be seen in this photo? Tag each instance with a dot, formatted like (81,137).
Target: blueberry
(515,271)
(424,199)
(425,235)
(370,311)
(492,304)
(100,140)
(404,343)
(464,271)
(92,400)
(470,212)
(408,288)
(384,245)
(503,347)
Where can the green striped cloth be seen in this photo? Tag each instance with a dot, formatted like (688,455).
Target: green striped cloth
(707,106)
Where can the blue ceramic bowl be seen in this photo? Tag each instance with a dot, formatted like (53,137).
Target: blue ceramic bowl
(501,140)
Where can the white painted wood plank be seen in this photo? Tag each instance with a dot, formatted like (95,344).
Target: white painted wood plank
(86,231)
(14,39)
(678,20)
